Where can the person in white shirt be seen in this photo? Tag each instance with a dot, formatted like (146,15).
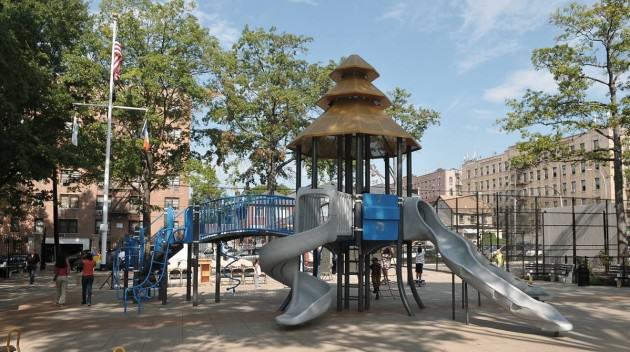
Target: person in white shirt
(419,264)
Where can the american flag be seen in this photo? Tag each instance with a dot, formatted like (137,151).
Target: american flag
(117,60)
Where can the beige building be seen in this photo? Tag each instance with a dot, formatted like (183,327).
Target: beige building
(559,181)
(80,215)
(440,182)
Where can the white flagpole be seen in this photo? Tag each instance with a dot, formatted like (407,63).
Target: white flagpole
(104,224)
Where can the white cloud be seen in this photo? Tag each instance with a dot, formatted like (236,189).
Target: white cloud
(224,31)
(306,2)
(481,30)
(518,82)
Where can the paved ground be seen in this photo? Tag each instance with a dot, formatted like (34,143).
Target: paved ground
(244,322)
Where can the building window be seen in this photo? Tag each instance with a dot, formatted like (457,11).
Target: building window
(171,202)
(68,226)
(597,165)
(582,147)
(450,180)
(573,186)
(39,226)
(69,201)
(69,177)
(507,165)
(583,166)
(15,224)
(468,173)
(595,144)
(99,202)
(573,168)
(174,181)
(564,170)
(134,226)
(475,172)
(487,170)
(597,184)
(583,183)
(546,190)
(538,175)
(564,188)
(554,172)
(175,133)
(494,170)
(546,171)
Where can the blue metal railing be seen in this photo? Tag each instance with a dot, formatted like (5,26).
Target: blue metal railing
(269,214)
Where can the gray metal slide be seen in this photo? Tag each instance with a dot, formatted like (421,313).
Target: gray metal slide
(318,220)
(422,223)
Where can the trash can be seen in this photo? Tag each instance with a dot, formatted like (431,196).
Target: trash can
(582,275)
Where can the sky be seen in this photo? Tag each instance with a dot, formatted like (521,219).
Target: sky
(462,58)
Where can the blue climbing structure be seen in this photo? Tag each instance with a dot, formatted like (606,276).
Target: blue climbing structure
(147,257)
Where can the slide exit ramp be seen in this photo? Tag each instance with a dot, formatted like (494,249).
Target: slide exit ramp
(321,216)
(422,223)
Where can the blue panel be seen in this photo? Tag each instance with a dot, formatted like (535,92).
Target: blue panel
(381,217)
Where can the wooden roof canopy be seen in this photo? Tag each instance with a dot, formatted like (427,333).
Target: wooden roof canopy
(354,106)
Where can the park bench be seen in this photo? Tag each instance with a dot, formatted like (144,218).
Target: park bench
(619,273)
(552,271)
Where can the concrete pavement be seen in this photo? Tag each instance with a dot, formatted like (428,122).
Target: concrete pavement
(244,321)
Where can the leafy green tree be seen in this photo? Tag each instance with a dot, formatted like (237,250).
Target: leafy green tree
(167,58)
(262,189)
(592,51)
(203,181)
(34,100)
(263,94)
(413,119)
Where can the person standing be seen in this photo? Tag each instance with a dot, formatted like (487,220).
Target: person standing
(31,265)
(376,270)
(419,265)
(387,261)
(62,270)
(256,274)
(97,260)
(87,279)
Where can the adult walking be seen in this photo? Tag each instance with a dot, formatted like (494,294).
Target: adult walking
(62,270)
(31,265)
(87,279)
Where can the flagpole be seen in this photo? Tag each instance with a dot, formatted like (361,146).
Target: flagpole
(105,222)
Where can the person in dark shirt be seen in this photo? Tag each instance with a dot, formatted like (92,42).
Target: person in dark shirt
(31,265)
(376,276)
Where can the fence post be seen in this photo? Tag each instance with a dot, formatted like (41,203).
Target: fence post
(536,230)
(497,219)
(477,216)
(573,230)
(507,240)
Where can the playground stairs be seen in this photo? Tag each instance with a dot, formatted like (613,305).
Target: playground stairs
(353,272)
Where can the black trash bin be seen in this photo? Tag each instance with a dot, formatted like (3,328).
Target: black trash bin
(582,275)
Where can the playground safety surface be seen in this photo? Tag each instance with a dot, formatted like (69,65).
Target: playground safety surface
(245,321)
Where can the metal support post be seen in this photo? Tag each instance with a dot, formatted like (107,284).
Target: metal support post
(195,256)
(217,280)
(188,274)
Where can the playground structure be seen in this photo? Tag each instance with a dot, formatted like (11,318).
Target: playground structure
(146,257)
(348,220)
(353,130)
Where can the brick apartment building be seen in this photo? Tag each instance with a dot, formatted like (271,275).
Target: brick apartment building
(560,181)
(440,182)
(80,215)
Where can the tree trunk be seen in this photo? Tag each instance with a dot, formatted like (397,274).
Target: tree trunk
(622,242)
(53,179)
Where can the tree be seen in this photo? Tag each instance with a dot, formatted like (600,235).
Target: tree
(203,181)
(412,119)
(263,95)
(167,58)
(262,189)
(34,99)
(592,51)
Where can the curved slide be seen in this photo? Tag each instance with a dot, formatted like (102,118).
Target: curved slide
(422,223)
(280,258)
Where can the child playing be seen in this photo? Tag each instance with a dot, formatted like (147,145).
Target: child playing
(376,276)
